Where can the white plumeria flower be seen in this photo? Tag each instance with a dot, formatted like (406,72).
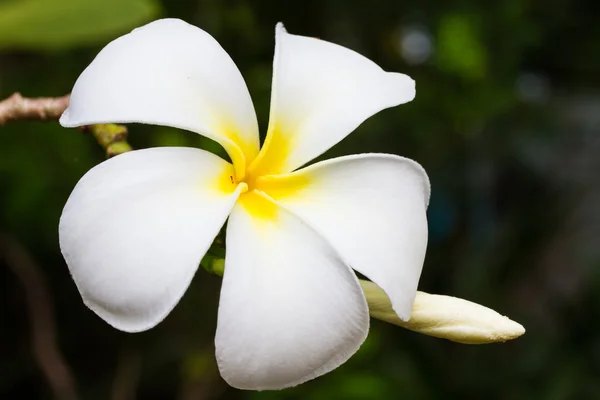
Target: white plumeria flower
(136,226)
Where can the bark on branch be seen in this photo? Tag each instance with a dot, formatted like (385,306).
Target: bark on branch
(17,107)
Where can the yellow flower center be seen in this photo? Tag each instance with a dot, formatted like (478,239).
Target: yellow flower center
(264,179)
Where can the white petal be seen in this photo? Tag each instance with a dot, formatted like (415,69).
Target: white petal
(290,309)
(371,208)
(136,227)
(445,317)
(321,93)
(168,73)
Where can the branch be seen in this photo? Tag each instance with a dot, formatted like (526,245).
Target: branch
(111,137)
(17,107)
(39,301)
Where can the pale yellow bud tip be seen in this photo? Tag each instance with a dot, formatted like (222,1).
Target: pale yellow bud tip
(445,317)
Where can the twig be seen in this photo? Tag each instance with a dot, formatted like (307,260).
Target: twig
(111,137)
(17,107)
(39,301)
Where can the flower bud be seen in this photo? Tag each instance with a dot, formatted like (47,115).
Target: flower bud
(445,317)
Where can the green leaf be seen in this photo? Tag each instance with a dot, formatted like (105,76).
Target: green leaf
(59,24)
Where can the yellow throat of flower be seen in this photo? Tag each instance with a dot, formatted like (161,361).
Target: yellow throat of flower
(264,179)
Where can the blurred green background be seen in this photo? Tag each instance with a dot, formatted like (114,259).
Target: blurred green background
(506,122)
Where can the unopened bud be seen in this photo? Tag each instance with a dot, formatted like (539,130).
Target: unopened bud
(445,317)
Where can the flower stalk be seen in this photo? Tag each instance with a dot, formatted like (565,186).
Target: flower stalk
(111,137)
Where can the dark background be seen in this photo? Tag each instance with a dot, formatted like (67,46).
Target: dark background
(506,123)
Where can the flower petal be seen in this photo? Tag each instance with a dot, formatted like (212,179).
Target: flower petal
(371,208)
(445,317)
(136,227)
(168,73)
(290,309)
(321,93)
